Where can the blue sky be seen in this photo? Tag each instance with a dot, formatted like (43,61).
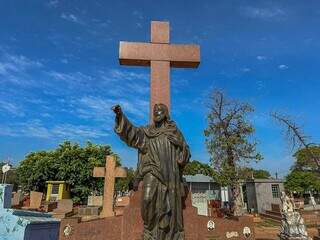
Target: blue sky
(59,70)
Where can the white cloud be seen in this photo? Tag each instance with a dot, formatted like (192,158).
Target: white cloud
(70,131)
(125,82)
(139,25)
(127,75)
(260,85)
(73,79)
(283,67)
(99,109)
(64,60)
(53,3)
(16,63)
(270,13)
(35,128)
(11,108)
(138,14)
(245,69)
(71,17)
(260,58)
(15,68)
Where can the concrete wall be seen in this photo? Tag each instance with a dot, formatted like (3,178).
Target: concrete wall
(264,195)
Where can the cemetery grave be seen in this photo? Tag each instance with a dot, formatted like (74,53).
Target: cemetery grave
(16,224)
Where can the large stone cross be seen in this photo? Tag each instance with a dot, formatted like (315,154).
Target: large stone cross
(109,172)
(160,56)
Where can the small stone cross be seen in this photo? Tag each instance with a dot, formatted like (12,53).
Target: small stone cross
(160,55)
(110,172)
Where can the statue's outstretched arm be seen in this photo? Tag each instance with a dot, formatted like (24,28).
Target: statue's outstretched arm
(133,136)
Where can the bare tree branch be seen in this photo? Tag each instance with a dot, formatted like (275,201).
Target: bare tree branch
(295,135)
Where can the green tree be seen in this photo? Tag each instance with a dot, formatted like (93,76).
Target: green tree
(302,181)
(69,162)
(228,142)
(195,167)
(304,161)
(304,175)
(124,184)
(248,172)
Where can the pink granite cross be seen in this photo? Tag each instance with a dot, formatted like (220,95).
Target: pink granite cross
(110,172)
(160,55)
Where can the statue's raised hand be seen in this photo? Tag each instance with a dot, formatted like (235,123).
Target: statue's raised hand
(117,110)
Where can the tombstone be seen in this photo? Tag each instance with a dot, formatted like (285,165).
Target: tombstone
(93,208)
(16,224)
(95,201)
(35,201)
(110,172)
(200,201)
(64,209)
(17,199)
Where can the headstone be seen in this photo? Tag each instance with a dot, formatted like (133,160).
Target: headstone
(24,225)
(64,209)
(93,208)
(89,211)
(35,200)
(95,201)
(200,201)
(110,172)
(313,201)
(17,199)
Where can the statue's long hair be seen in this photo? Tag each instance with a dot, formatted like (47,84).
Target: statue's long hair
(166,110)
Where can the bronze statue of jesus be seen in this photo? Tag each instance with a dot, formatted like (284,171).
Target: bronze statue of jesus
(163,153)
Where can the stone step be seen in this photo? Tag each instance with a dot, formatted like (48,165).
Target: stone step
(276,218)
(273,213)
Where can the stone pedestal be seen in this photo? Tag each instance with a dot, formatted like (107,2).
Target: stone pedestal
(130,225)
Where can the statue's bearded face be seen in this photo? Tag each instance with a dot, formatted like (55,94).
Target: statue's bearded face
(159,113)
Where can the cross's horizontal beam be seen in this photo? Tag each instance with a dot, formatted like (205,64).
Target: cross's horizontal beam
(119,172)
(99,171)
(140,54)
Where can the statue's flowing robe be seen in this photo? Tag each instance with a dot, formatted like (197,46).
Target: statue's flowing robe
(163,153)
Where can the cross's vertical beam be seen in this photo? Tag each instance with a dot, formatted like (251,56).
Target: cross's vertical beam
(160,70)
(109,181)
(110,172)
(160,84)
